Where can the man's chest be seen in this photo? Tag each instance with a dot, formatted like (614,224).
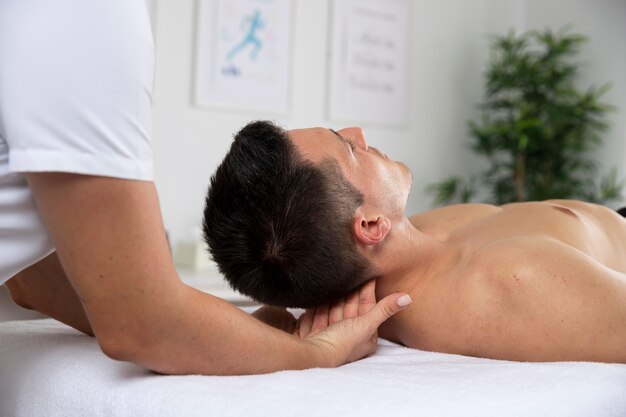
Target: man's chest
(476,225)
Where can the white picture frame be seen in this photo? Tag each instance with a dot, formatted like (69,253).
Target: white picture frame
(243,55)
(369,64)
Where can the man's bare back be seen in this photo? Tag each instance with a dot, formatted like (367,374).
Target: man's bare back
(536,281)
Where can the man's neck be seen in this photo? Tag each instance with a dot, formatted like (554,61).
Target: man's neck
(409,261)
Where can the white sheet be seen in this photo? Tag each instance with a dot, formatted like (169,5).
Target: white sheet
(49,369)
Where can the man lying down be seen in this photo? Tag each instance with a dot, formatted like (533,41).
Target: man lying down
(300,218)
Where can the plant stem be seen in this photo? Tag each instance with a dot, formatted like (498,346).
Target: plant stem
(519,176)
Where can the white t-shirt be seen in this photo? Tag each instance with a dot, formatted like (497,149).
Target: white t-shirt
(75,96)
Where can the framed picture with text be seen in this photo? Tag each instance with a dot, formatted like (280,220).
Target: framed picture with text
(369,74)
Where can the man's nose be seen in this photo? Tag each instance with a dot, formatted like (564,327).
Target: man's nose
(355,134)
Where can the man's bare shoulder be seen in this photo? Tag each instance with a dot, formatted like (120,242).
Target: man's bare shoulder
(513,266)
(535,298)
(516,258)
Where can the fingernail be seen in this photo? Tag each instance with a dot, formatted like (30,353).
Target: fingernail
(404,301)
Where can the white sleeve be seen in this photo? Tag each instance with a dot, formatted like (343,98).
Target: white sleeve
(76,86)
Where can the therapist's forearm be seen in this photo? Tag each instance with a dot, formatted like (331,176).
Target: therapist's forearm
(163,343)
(196,333)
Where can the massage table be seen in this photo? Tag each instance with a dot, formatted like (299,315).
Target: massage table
(49,369)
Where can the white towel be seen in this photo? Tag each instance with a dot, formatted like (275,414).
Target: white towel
(49,369)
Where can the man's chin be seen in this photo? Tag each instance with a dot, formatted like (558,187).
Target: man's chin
(405,168)
(408,175)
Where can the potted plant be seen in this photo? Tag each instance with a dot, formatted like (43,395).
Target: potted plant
(537,128)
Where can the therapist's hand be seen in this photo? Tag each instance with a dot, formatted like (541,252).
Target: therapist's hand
(317,319)
(348,329)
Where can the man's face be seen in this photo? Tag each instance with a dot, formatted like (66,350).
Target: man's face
(384,183)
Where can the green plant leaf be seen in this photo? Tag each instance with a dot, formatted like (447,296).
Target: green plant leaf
(535,121)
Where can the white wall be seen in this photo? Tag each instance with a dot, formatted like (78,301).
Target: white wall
(448,49)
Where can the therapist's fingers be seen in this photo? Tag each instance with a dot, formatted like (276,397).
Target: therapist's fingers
(351,308)
(352,339)
(384,309)
(336,311)
(320,321)
(306,323)
(367,297)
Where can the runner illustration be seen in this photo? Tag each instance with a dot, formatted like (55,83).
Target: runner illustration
(255,24)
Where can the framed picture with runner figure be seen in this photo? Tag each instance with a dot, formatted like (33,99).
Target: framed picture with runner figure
(243,55)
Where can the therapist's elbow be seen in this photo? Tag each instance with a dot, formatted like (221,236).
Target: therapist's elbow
(140,354)
(127,346)
(117,348)
(138,347)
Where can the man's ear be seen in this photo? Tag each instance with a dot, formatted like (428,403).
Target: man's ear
(371,230)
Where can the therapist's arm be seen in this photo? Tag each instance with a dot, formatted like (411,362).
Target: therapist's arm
(111,243)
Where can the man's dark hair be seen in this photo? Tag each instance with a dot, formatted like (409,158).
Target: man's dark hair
(280,227)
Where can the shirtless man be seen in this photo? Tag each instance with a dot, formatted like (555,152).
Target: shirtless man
(536,281)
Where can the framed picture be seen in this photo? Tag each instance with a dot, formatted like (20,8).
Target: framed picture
(243,55)
(369,73)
